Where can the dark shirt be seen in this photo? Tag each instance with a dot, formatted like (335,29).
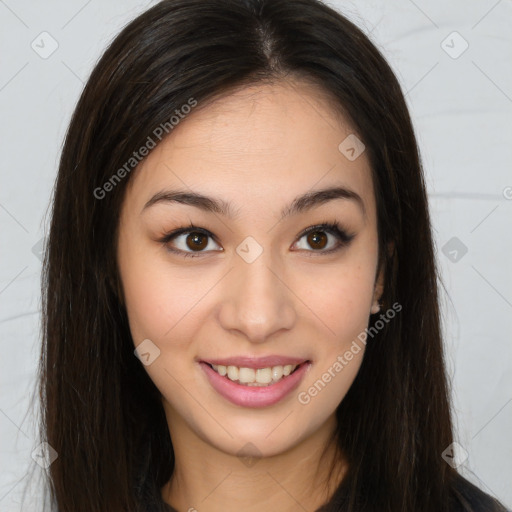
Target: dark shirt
(470,495)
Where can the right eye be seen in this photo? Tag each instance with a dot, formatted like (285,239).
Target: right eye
(193,241)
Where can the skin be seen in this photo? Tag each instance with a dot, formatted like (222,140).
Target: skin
(258,148)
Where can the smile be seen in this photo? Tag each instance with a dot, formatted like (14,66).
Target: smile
(254,387)
(255,377)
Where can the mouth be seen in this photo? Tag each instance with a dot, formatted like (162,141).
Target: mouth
(254,387)
(255,377)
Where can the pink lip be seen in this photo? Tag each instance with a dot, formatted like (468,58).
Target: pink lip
(256,362)
(252,396)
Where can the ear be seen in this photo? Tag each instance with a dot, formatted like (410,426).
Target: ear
(379,282)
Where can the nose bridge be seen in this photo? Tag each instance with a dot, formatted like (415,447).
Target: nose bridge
(258,277)
(257,303)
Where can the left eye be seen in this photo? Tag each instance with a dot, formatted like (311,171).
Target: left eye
(196,239)
(317,237)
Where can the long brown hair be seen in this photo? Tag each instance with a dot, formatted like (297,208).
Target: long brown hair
(100,410)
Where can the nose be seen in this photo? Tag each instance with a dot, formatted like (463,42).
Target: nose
(256,300)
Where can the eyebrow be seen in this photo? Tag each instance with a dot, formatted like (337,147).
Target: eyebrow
(300,204)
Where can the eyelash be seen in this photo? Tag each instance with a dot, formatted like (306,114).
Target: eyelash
(333,228)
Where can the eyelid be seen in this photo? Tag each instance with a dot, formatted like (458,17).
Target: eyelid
(191,228)
(344,236)
(335,228)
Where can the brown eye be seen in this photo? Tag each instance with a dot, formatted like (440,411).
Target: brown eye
(192,241)
(188,242)
(317,239)
(196,241)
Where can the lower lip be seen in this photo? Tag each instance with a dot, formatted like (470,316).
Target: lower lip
(255,396)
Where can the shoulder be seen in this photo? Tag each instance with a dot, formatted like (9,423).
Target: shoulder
(469,498)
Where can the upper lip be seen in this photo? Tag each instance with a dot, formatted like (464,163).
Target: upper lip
(256,362)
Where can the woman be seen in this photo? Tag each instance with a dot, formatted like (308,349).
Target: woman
(240,291)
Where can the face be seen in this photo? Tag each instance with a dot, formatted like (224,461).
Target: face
(250,283)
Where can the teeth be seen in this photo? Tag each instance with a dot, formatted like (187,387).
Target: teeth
(264,375)
(252,377)
(233,373)
(277,372)
(246,375)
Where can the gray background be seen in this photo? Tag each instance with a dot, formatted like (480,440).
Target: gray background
(461,103)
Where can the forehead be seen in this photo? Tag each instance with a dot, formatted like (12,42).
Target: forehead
(262,142)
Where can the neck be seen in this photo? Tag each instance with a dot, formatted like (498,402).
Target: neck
(207,479)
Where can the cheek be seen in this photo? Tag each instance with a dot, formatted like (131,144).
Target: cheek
(159,299)
(340,298)
(343,311)
(154,304)
(326,387)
